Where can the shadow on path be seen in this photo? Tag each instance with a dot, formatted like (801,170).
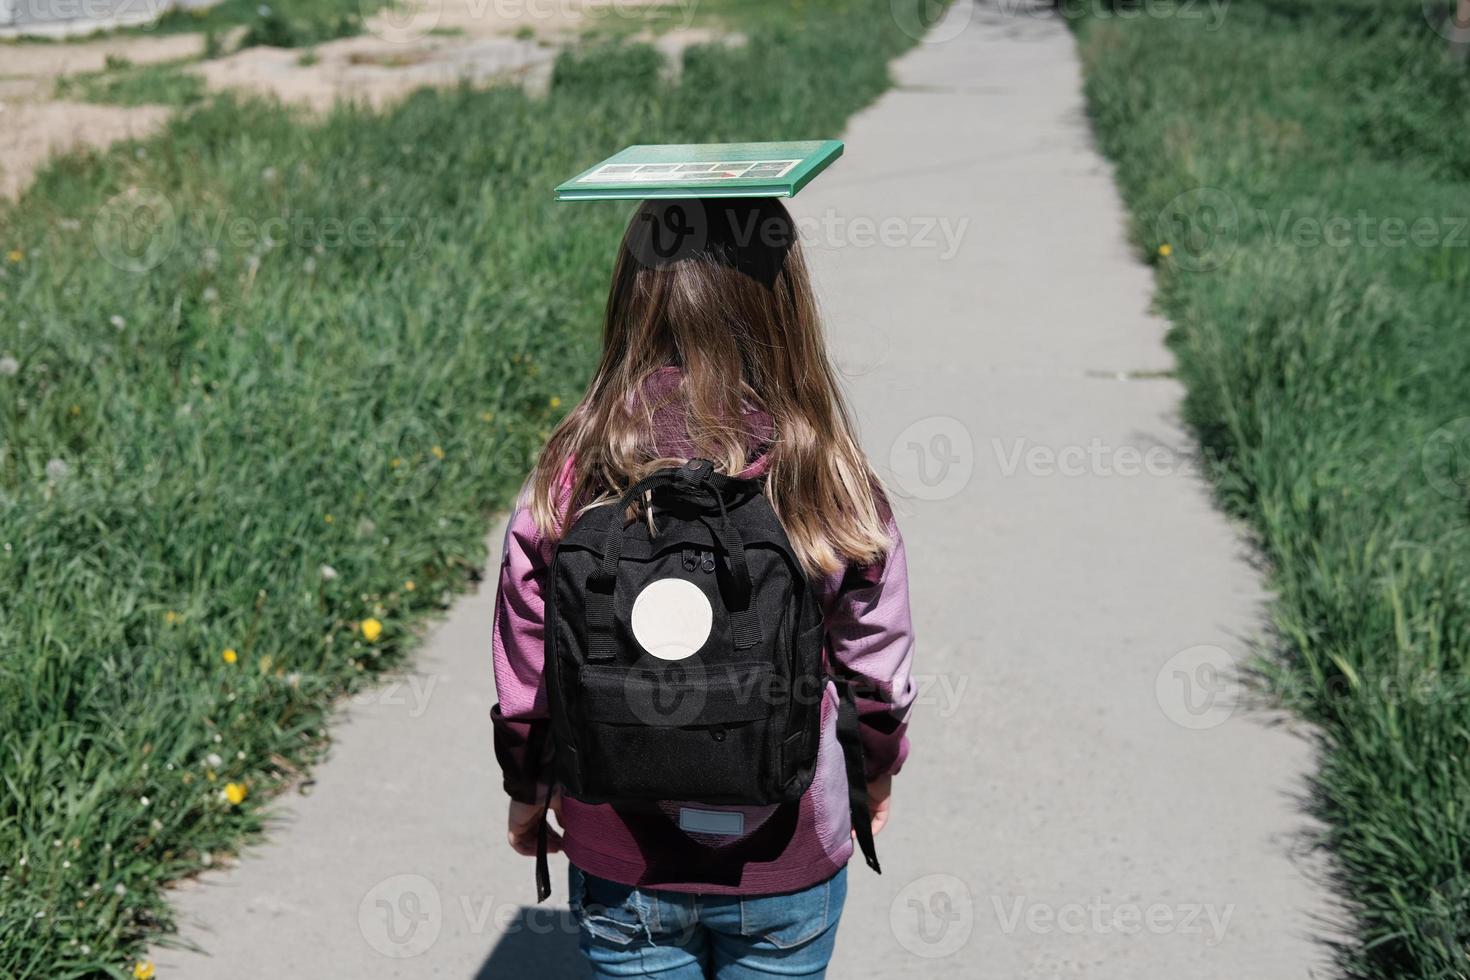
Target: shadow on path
(532,946)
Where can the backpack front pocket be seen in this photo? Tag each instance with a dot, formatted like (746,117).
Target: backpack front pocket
(683,732)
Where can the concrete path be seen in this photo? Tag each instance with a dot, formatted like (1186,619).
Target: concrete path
(1084,799)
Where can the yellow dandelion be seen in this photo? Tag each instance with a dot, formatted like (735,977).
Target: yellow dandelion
(371,630)
(236,793)
(172,618)
(395,462)
(487,416)
(327,518)
(438,452)
(1166,250)
(15,255)
(556,401)
(409,586)
(143,970)
(229,656)
(76,410)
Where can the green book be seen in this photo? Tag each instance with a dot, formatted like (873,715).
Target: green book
(703,170)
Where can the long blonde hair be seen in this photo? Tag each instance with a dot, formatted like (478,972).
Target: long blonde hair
(719,289)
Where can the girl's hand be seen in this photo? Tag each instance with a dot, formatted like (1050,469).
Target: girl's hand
(878,792)
(522,824)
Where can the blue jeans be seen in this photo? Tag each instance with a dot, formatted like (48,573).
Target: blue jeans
(634,932)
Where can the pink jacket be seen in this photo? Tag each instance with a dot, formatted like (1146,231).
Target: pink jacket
(782,849)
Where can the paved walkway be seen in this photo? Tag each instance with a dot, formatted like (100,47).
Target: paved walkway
(1082,801)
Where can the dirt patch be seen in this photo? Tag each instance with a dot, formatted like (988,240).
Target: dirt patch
(37,131)
(29,71)
(422,43)
(368,69)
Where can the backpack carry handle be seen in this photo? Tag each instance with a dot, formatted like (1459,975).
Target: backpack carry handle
(699,476)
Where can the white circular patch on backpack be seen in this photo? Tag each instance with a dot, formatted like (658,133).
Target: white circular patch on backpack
(672,618)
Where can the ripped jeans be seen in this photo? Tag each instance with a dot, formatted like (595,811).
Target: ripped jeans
(634,932)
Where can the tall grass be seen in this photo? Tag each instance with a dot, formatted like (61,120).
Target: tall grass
(262,379)
(1308,166)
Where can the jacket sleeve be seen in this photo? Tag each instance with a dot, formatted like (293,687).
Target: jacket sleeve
(870,632)
(521,720)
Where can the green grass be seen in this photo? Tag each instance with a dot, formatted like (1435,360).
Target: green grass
(279,23)
(1318,292)
(123,83)
(258,345)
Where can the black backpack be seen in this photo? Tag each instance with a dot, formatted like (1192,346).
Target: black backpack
(684,661)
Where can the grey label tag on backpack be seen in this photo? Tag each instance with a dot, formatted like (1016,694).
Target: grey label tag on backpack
(722,823)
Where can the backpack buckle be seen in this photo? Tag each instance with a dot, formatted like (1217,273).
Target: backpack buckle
(695,472)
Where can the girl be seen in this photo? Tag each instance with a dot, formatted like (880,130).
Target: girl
(712,349)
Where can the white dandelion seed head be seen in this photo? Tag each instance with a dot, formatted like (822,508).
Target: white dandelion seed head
(214,760)
(57,468)
(9,366)
(118,321)
(328,573)
(119,889)
(211,295)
